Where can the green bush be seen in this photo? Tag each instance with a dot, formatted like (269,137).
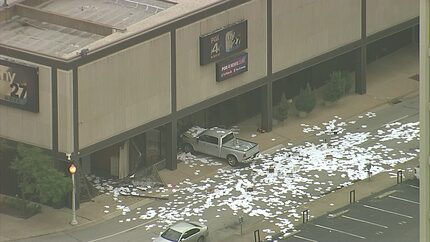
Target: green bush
(38,179)
(280,111)
(334,89)
(306,100)
(18,207)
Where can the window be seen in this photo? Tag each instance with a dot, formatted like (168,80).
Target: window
(171,235)
(209,139)
(190,233)
(227,138)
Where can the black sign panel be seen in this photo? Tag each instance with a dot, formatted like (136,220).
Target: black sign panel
(223,42)
(19,85)
(231,67)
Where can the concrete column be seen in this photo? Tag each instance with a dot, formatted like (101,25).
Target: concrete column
(124,161)
(267,109)
(361,63)
(267,95)
(75,136)
(172,145)
(172,128)
(360,71)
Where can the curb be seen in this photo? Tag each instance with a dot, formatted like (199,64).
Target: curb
(273,149)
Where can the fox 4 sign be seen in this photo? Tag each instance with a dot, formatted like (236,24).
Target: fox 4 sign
(223,42)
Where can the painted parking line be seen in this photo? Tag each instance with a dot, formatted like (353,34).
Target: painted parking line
(303,238)
(403,199)
(123,231)
(340,231)
(383,210)
(417,187)
(364,221)
(395,120)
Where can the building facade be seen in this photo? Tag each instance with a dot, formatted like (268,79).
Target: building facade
(116,92)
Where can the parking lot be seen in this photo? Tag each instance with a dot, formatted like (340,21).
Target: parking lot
(391,215)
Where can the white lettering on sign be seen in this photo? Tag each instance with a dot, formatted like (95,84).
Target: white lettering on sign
(7,76)
(234,64)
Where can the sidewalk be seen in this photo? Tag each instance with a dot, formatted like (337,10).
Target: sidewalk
(394,70)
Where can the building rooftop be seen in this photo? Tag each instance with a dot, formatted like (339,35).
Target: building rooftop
(117,13)
(42,37)
(61,28)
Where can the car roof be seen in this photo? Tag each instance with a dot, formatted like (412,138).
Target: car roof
(183,226)
(217,132)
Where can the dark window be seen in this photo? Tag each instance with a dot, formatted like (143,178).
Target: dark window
(209,139)
(171,235)
(190,233)
(227,138)
(203,138)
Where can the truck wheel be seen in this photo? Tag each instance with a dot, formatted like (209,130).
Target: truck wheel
(188,148)
(232,161)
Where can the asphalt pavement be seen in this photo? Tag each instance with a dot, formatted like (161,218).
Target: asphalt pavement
(391,215)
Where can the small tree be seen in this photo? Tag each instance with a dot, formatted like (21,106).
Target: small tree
(280,112)
(334,89)
(38,179)
(306,100)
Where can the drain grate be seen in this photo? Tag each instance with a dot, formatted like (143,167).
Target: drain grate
(415,77)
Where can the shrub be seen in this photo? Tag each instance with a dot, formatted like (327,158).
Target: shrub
(280,111)
(18,207)
(334,89)
(38,179)
(306,100)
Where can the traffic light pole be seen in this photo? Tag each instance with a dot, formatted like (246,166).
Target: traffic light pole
(74,221)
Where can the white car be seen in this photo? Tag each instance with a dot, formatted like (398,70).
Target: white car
(417,172)
(184,231)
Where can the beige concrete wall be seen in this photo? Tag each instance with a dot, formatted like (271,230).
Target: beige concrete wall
(65,118)
(28,127)
(382,14)
(124,90)
(303,29)
(196,83)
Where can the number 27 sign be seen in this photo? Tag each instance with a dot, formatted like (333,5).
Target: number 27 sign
(19,85)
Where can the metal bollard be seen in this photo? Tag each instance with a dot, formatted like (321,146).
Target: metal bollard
(241,225)
(368,168)
(352,196)
(305,215)
(399,176)
(257,235)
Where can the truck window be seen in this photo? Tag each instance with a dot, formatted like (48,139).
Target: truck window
(209,139)
(213,140)
(227,138)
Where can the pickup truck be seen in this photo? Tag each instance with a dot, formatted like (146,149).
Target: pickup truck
(220,143)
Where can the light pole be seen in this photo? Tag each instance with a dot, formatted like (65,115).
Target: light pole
(72,170)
